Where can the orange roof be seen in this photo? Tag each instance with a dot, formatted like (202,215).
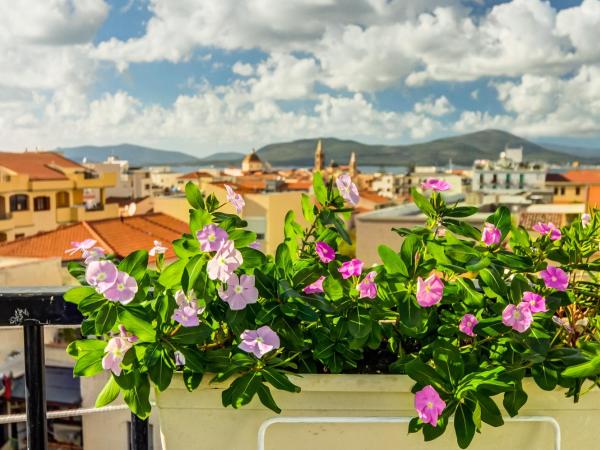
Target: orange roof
(116,236)
(374,197)
(194,175)
(38,165)
(583,176)
(529,219)
(298,185)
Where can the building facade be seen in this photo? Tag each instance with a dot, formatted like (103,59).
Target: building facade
(41,190)
(508,174)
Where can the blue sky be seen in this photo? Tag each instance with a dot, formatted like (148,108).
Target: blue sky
(221,75)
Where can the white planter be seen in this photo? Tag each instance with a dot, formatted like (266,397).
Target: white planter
(199,421)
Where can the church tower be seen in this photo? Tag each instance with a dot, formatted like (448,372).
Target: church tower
(353,166)
(319,157)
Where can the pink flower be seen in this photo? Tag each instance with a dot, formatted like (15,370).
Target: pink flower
(127,335)
(115,352)
(429,405)
(536,302)
(555,278)
(347,189)
(351,268)
(226,260)
(211,237)
(123,290)
(259,342)
(585,220)
(255,245)
(429,291)
(518,317)
(325,252)
(235,199)
(315,287)
(158,249)
(93,254)
(240,292)
(549,229)
(187,309)
(491,234)
(562,322)
(179,358)
(367,287)
(80,246)
(467,323)
(101,275)
(435,184)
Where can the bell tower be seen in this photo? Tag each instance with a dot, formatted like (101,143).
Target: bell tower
(319,157)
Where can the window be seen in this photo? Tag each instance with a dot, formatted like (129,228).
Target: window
(19,202)
(62,199)
(522,181)
(555,191)
(41,204)
(577,190)
(19,235)
(562,191)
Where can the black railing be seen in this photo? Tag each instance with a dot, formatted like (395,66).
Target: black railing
(32,309)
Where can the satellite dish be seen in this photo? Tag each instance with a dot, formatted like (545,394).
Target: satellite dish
(84,160)
(131,209)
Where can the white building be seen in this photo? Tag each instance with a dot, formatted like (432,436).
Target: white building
(508,175)
(387,185)
(131,182)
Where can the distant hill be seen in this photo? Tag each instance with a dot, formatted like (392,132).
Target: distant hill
(585,152)
(135,154)
(461,149)
(223,158)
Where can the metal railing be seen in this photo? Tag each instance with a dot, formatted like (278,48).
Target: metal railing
(32,309)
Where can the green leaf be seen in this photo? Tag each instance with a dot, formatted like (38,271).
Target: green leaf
(501,218)
(137,398)
(544,376)
(199,218)
(108,394)
(279,380)
(463,424)
(514,400)
(194,196)
(359,323)
(424,374)
(89,363)
(91,304)
(242,238)
(319,188)
(422,203)
(461,211)
(192,335)
(161,369)
(252,258)
(137,325)
(590,368)
(77,294)
(191,379)
(494,281)
(135,264)
(448,361)
(333,288)
(194,269)
(171,276)
(264,394)
(106,318)
(307,208)
(241,390)
(391,260)
(490,413)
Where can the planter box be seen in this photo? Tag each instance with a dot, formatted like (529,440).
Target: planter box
(199,421)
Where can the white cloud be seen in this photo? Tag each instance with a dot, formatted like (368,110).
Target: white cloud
(544,105)
(243,69)
(438,107)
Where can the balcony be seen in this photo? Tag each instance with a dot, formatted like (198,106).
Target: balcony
(85,180)
(33,309)
(99,212)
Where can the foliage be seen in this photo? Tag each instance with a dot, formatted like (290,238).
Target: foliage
(339,330)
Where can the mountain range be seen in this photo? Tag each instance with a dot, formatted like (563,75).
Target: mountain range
(462,150)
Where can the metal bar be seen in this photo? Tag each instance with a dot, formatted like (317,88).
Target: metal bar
(35,386)
(262,431)
(45,305)
(139,433)
(62,413)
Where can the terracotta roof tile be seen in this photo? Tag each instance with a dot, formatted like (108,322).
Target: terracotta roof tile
(529,219)
(584,176)
(38,165)
(120,237)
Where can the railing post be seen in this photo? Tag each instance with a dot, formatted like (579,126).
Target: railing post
(139,433)
(35,385)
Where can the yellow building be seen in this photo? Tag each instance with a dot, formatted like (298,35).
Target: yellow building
(40,191)
(265,211)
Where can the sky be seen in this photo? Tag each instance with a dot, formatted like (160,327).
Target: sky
(208,76)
